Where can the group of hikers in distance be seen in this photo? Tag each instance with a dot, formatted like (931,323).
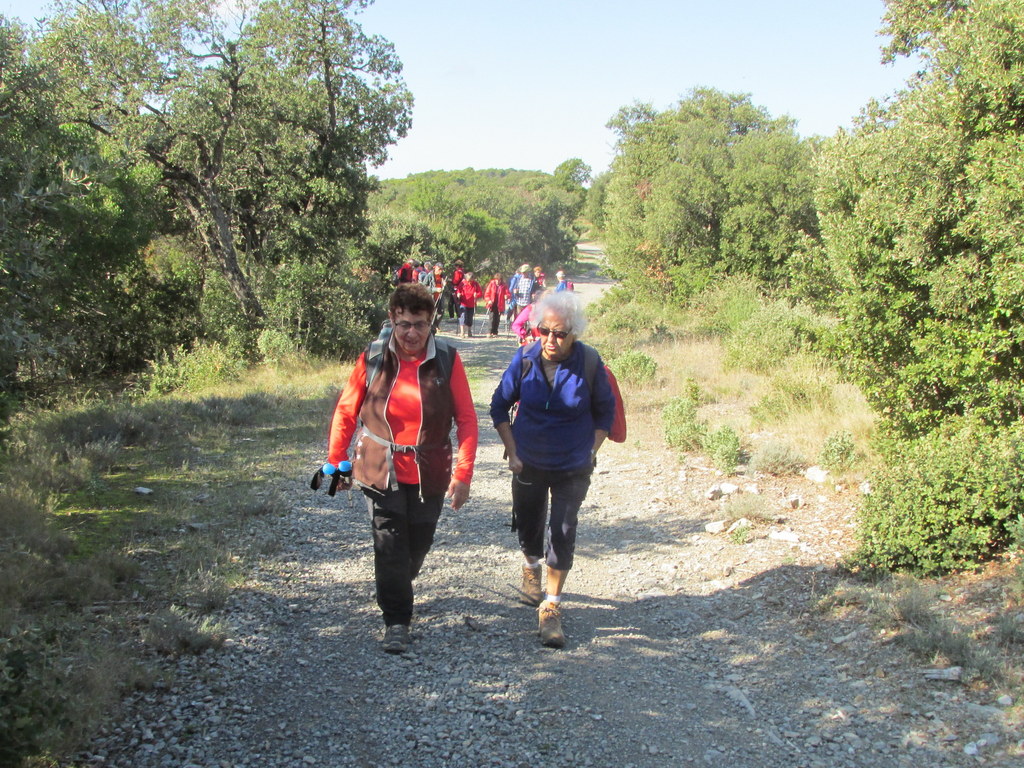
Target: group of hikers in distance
(458,294)
(392,423)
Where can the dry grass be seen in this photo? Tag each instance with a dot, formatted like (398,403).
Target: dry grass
(730,397)
(83,556)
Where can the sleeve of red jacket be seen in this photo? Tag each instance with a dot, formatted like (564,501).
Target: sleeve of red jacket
(466,428)
(346,413)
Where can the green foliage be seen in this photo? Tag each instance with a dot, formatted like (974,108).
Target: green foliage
(634,367)
(682,429)
(264,131)
(921,208)
(772,334)
(29,694)
(626,316)
(944,501)
(723,446)
(594,207)
(838,451)
(777,457)
(174,631)
(713,186)
(491,219)
(204,366)
(725,306)
(276,347)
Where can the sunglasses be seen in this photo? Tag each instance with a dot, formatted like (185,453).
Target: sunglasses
(557,334)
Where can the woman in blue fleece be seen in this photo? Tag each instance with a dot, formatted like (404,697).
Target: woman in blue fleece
(565,411)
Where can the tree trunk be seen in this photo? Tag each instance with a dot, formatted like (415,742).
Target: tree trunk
(213,226)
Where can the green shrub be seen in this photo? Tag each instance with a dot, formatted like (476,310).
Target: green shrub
(202,367)
(773,333)
(276,347)
(623,315)
(723,446)
(723,308)
(777,457)
(945,501)
(27,695)
(679,420)
(837,452)
(634,367)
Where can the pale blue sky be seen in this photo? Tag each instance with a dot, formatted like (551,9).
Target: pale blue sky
(529,83)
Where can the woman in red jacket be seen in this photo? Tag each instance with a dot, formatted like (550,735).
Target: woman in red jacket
(496,296)
(401,419)
(467,294)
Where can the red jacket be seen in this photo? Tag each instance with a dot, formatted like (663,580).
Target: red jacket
(404,415)
(496,295)
(468,292)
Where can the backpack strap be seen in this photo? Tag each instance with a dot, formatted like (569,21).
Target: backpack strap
(590,360)
(375,353)
(445,356)
(525,363)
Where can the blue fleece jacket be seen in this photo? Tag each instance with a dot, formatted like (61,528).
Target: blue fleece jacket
(554,425)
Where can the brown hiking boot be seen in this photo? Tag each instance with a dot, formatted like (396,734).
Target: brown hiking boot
(531,593)
(550,620)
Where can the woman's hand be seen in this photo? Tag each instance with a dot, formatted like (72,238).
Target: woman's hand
(457,493)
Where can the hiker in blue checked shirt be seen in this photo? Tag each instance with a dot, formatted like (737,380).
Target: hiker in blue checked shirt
(561,421)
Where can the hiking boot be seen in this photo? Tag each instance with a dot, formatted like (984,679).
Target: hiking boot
(550,621)
(397,639)
(531,593)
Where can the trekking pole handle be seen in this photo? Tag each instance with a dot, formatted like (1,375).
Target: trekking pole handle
(342,472)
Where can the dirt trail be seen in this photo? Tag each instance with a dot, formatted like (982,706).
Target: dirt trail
(684,647)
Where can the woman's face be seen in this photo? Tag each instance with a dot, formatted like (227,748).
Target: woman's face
(411,331)
(550,329)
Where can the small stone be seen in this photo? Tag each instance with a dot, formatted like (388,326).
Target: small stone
(1005,701)
(144,491)
(816,474)
(716,527)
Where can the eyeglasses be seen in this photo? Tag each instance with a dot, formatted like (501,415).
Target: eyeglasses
(419,325)
(557,334)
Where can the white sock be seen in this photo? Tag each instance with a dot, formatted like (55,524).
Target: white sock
(556,599)
(533,565)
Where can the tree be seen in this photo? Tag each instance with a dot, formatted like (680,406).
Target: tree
(713,186)
(260,126)
(490,219)
(573,174)
(922,212)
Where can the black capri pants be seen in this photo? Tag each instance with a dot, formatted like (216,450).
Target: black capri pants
(531,491)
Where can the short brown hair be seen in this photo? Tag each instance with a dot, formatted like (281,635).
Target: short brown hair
(412,297)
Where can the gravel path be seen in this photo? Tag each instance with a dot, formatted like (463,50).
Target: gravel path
(683,647)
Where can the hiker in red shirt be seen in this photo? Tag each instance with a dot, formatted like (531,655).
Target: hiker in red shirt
(496,296)
(403,455)
(468,293)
